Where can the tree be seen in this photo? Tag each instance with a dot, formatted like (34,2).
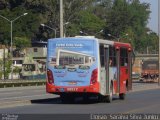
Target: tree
(16,70)
(1,69)
(22,42)
(25,26)
(128,16)
(8,66)
(116,17)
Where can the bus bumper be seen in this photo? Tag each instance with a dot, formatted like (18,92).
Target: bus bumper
(50,88)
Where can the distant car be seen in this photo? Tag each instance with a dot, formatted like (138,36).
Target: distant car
(135,75)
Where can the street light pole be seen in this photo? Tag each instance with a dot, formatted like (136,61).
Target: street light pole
(116,37)
(11,49)
(61,18)
(81,32)
(113,37)
(50,28)
(98,32)
(65,28)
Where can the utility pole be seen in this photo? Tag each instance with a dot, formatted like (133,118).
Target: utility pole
(4,60)
(61,18)
(159,37)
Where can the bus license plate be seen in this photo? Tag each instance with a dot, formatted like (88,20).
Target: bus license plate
(72,89)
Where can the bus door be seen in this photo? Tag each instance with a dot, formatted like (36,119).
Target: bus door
(124,71)
(118,70)
(130,62)
(104,69)
(106,58)
(114,68)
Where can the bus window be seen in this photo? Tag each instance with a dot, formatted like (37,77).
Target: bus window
(123,56)
(112,56)
(102,55)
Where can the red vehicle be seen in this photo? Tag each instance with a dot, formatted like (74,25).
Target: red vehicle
(87,66)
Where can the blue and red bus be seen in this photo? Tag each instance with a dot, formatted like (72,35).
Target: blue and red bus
(87,66)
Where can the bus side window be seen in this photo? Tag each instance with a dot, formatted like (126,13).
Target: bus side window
(112,56)
(102,55)
(123,57)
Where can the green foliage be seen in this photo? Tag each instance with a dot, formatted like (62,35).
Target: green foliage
(129,17)
(8,64)
(116,17)
(25,26)
(90,23)
(1,65)
(16,70)
(21,42)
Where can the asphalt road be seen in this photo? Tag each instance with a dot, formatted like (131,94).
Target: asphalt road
(19,96)
(136,102)
(14,96)
(22,93)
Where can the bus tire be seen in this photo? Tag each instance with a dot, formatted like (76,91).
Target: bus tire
(63,98)
(101,98)
(110,96)
(86,99)
(122,96)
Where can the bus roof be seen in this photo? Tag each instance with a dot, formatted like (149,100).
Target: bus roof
(100,41)
(88,38)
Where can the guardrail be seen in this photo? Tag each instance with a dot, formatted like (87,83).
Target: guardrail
(21,83)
